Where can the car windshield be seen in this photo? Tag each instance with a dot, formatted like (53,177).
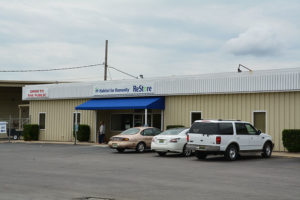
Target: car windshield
(130,131)
(172,131)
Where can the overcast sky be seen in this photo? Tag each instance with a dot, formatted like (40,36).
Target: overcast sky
(149,37)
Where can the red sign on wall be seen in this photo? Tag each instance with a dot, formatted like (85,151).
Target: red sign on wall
(37,93)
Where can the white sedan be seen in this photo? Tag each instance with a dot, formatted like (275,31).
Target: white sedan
(172,140)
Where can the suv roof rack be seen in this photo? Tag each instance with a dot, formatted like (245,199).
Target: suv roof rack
(229,120)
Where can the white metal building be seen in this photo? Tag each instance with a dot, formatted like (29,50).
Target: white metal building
(270,99)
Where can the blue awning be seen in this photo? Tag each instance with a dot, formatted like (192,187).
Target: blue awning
(123,103)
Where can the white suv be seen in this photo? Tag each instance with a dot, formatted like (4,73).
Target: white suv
(228,137)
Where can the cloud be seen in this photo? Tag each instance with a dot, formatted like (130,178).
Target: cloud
(154,38)
(257,41)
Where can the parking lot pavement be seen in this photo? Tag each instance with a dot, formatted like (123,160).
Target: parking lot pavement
(59,171)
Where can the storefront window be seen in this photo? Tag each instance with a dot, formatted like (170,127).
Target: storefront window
(121,122)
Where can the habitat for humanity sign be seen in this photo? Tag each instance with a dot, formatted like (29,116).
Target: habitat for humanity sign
(121,89)
(3,127)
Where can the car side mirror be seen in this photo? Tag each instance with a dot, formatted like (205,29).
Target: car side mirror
(258,132)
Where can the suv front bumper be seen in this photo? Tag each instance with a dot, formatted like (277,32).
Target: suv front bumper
(208,148)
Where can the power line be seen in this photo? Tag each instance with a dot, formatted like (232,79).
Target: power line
(53,69)
(123,72)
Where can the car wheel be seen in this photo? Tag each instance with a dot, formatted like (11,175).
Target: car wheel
(15,137)
(186,152)
(200,155)
(231,153)
(161,153)
(120,150)
(267,150)
(140,147)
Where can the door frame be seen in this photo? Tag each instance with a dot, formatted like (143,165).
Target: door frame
(266,118)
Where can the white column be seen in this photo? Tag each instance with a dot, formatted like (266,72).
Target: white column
(162,120)
(96,126)
(146,117)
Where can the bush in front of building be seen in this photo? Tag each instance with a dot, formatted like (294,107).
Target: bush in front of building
(174,126)
(83,134)
(31,132)
(291,139)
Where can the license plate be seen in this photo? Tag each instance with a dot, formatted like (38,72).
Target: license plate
(114,145)
(201,147)
(161,141)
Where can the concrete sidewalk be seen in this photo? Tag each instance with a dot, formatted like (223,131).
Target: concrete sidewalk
(286,154)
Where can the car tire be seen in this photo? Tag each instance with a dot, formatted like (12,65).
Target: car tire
(15,137)
(267,150)
(161,153)
(186,152)
(200,155)
(140,147)
(120,150)
(231,153)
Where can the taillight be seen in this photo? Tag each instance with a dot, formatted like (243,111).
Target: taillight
(187,138)
(175,140)
(218,140)
(153,139)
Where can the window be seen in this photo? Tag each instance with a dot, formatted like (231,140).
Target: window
(204,128)
(156,120)
(42,120)
(251,130)
(131,131)
(259,120)
(156,131)
(148,132)
(225,129)
(212,128)
(195,115)
(120,122)
(241,129)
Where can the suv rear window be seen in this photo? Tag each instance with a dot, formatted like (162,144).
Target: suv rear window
(212,128)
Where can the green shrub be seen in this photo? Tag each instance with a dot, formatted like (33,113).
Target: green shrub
(31,132)
(291,139)
(174,126)
(83,134)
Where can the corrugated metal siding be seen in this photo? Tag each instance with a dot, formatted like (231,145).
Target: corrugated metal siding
(245,82)
(282,110)
(59,118)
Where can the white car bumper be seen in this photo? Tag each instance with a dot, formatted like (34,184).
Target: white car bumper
(170,147)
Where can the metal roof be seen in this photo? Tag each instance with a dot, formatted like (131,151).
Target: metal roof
(216,83)
(17,83)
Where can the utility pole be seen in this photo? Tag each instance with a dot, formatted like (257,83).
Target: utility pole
(105,64)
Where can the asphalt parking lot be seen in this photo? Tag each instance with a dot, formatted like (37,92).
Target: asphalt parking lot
(56,171)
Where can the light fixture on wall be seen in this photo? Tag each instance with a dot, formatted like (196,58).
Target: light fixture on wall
(239,68)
